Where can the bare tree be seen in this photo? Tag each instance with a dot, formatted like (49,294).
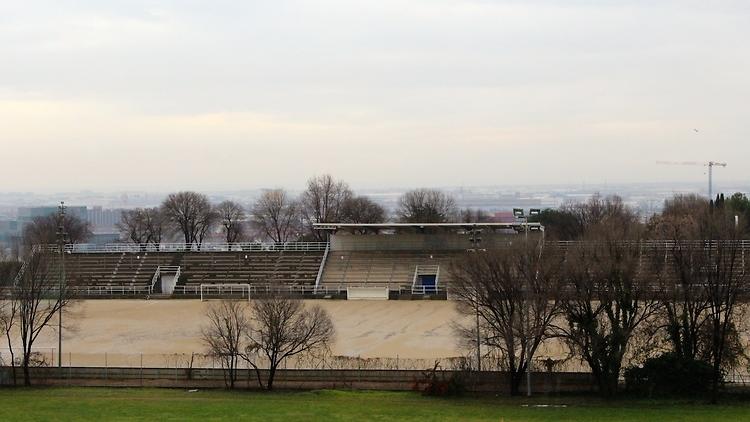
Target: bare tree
(225,336)
(190,214)
(272,328)
(132,226)
(232,217)
(607,296)
(323,201)
(39,295)
(43,230)
(573,219)
(8,322)
(703,276)
(469,215)
(678,269)
(8,307)
(142,225)
(282,328)
(685,299)
(685,206)
(513,294)
(276,216)
(725,277)
(155,225)
(426,206)
(361,209)
(599,210)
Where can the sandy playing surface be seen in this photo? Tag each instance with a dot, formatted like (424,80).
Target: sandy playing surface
(408,329)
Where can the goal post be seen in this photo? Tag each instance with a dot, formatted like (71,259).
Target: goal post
(208,289)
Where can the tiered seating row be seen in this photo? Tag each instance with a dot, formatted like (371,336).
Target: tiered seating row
(297,268)
(394,269)
(115,269)
(137,269)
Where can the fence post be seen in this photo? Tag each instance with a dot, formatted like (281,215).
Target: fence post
(141,371)
(70,366)
(105,369)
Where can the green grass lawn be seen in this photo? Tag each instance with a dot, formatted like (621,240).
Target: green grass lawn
(109,404)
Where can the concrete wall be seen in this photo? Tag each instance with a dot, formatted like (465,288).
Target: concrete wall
(542,382)
(168,282)
(367,293)
(416,241)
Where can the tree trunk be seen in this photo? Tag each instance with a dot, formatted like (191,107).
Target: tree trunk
(608,382)
(12,360)
(13,368)
(717,355)
(260,379)
(232,372)
(26,373)
(271,376)
(515,382)
(715,381)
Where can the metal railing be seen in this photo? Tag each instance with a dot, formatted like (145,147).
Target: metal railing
(425,270)
(322,266)
(225,289)
(186,247)
(113,290)
(164,268)
(424,290)
(318,246)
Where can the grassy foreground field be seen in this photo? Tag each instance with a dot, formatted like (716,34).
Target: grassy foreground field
(179,405)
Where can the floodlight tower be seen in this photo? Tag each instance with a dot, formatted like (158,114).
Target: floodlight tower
(61,239)
(519,214)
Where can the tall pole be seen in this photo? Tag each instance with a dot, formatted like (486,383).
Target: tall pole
(710,180)
(528,318)
(479,351)
(474,244)
(61,243)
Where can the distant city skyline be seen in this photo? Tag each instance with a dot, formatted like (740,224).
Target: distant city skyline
(170,95)
(547,195)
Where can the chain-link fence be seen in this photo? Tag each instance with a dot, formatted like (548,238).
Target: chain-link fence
(48,357)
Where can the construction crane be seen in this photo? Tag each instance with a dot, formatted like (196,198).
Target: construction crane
(710,166)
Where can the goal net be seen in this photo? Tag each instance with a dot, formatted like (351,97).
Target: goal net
(234,290)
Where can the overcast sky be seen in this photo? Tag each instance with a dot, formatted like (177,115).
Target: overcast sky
(111,95)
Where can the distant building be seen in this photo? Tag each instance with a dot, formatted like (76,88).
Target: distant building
(102,221)
(9,230)
(503,217)
(26,214)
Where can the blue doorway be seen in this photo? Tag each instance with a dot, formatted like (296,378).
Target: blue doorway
(428,282)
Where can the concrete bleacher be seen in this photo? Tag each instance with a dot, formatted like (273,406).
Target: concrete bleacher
(285,267)
(112,269)
(392,269)
(135,270)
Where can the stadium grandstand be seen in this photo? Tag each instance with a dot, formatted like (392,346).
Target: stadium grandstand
(406,260)
(359,261)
